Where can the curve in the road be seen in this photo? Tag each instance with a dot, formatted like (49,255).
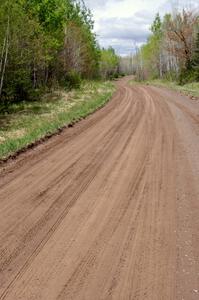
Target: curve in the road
(108,209)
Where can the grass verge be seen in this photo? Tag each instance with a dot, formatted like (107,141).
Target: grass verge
(190,89)
(26,122)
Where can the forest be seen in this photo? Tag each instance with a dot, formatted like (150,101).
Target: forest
(45,44)
(172,49)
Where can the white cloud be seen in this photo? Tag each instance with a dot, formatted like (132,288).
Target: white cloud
(121,23)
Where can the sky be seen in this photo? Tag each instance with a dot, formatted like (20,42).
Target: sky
(123,24)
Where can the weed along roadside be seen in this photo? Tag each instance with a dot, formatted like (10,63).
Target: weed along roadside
(26,124)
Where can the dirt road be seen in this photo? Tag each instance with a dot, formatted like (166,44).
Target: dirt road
(109,209)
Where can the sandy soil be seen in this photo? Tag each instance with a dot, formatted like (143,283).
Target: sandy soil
(109,209)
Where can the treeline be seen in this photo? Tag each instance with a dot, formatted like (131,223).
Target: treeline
(172,50)
(45,44)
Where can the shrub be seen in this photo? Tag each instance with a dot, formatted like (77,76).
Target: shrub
(73,80)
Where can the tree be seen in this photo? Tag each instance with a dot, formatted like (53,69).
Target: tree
(180,32)
(56,41)
(156,27)
(195,60)
(169,49)
(109,63)
(149,56)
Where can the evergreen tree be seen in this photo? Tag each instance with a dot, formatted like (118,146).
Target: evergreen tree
(195,61)
(156,27)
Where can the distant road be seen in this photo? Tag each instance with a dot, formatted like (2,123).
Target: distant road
(109,209)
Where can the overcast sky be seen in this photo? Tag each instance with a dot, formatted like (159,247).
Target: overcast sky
(121,23)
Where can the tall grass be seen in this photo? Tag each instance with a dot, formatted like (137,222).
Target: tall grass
(24,123)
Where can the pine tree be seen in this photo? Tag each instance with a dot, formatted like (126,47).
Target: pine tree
(196,58)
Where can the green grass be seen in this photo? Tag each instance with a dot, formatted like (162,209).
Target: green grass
(24,123)
(191,89)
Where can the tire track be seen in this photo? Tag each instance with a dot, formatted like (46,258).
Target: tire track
(95,212)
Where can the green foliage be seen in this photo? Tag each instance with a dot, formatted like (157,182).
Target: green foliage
(73,80)
(190,73)
(195,60)
(172,50)
(109,63)
(190,89)
(186,75)
(44,44)
(156,27)
(150,52)
(26,122)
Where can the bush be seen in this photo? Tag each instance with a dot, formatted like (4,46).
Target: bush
(73,80)
(122,74)
(186,76)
